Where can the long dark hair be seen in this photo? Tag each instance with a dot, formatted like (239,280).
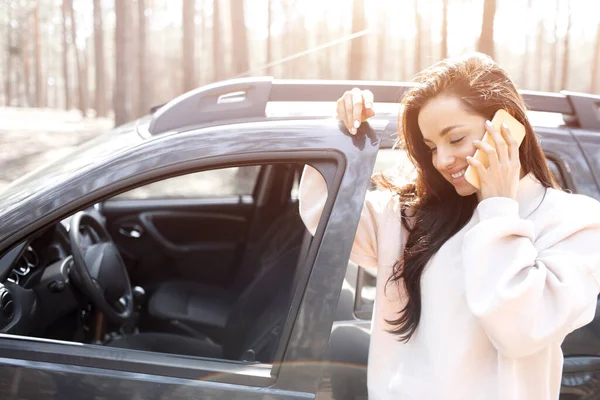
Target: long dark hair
(432,212)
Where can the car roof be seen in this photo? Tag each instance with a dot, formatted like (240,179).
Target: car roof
(256,98)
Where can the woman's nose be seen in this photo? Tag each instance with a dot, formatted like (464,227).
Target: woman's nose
(445,158)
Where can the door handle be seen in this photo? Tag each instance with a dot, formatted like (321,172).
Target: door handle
(132,232)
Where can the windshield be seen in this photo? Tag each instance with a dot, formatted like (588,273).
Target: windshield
(59,171)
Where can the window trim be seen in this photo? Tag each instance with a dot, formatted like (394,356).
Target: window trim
(145,362)
(332,166)
(76,355)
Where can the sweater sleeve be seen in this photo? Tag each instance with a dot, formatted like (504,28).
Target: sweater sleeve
(531,292)
(312,198)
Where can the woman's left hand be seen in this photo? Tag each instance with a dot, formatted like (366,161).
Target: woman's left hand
(501,178)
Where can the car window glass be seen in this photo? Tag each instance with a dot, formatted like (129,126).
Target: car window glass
(555,169)
(223,182)
(209,281)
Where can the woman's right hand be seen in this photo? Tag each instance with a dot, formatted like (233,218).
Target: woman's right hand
(355,107)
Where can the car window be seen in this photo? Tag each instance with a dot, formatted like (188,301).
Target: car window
(556,171)
(234,181)
(209,282)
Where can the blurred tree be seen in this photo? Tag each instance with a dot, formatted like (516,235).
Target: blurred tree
(100,75)
(486,39)
(554,50)
(45,51)
(39,80)
(595,64)
(217,43)
(323,32)
(539,58)
(65,52)
(269,37)
(122,100)
(24,48)
(287,42)
(358,46)
(418,39)
(381,47)
(188,67)
(239,41)
(144,64)
(445,29)
(524,63)
(81,78)
(6,56)
(565,61)
(298,41)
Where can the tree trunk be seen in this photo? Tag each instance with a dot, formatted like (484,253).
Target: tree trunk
(240,60)
(199,47)
(65,35)
(269,38)
(554,51)
(39,80)
(299,39)
(525,63)
(565,64)
(217,44)
(358,46)
(539,54)
(7,78)
(287,44)
(85,70)
(444,53)
(596,64)
(418,38)
(24,48)
(122,102)
(486,40)
(100,78)
(144,89)
(404,74)
(189,80)
(326,55)
(381,49)
(81,79)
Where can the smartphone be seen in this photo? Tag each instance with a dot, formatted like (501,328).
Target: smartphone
(517,130)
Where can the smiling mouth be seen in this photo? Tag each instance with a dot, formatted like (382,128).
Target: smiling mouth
(459,174)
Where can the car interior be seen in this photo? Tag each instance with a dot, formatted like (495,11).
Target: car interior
(203,264)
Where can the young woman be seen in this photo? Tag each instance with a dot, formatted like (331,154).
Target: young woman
(476,289)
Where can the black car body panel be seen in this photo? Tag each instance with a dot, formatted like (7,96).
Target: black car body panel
(69,368)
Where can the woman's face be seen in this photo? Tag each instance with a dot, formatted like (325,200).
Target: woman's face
(449,130)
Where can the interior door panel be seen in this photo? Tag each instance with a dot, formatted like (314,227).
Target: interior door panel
(192,241)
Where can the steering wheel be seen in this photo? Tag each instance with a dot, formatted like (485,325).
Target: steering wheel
(100,270)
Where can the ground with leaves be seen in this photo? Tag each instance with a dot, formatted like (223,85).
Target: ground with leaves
(29,138)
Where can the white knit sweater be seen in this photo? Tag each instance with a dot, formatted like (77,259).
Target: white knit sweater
(498,298)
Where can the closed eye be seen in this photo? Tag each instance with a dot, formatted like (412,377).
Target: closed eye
(457,140)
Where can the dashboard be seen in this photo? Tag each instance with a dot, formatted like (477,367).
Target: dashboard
(35,288)
(33,256)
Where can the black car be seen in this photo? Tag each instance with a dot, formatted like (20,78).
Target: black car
(166,259)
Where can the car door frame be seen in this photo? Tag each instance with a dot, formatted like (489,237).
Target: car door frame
(345,160)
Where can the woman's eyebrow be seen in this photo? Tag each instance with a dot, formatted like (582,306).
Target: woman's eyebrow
(445,131)
(448,129)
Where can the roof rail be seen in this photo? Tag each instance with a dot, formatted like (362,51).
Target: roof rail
(248,98)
